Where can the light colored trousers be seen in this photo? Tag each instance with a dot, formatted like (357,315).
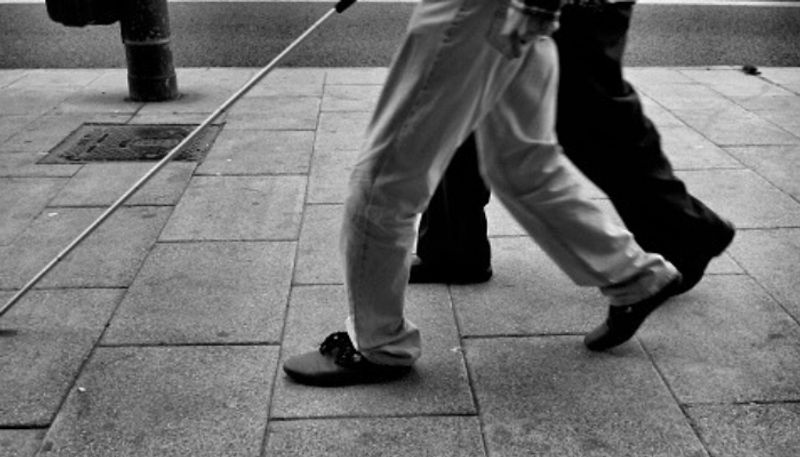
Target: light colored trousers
(446,81)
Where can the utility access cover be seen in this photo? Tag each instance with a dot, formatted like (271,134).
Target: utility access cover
(130,142)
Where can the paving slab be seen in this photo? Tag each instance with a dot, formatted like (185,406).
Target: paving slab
(23,165)
(438,385)
(307,82)
(748,430)
(8,76)
(21,200)
(10,125)
(47,131)
(548,396)
(771,257)
(341,131)
(47,336)
(274,113)
(726,341)
(32,101)
(660,116)
(167,401)
(330,172)
(193,293)
(788,78)
(528,295)
(418,436)
(355,97)
(109,257)
(744,197)
(258,152)
(735,126)
(94,100)
(733,83)
(238,208)
(653,76)
(680,97)
(50,78)
(780,165)
(373,75)
(787,120)
(20,443)
(689,150)
(318,258)
(101,184)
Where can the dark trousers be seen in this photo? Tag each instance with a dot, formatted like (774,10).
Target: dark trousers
(604,131)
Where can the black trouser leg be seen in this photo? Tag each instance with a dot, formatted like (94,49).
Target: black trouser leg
(604,131)
(452,230)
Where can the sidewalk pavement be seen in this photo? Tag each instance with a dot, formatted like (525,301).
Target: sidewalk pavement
(162,334)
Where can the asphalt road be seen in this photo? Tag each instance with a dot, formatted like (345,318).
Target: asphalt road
(249,34)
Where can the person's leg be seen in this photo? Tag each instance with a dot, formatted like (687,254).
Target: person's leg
(604,131)
(452,245)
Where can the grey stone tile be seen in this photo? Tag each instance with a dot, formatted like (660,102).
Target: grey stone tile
(734,126)
(23,165)
(194,98)
(51,333)
(20,443)
(350,98)
(780,165)
(788,78)
(725,341)
(418,436)
(688,150)
(783,102)
(527,295)
(330,172)
(660,116)
(748,430)
(21,200)
(109,257)
(688,97)
(500,222)
(238,208)
(549,397)
(31,101)
(341,131)
(318,257)
(744,197)
(787,120)
(291,82)
(734,84)
(199,401)
(206,293)
(99,101)
(10,125)
(772,257)
(48,131)
(51,78)
(254,152)
(8,76)
(356,75)
(274,113)
(648,76)
(175,118)
(437,386)
(101,184)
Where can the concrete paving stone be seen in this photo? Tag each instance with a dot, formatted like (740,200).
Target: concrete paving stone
(21,200)
(350,98)
(194,98)
(192,293)
(23,165)
(51,78)
(291,82)
(238,208)
(20,443)
(528,295)
(32,101)
(649,76)
(689,150)
(772,257)
(371,75)
(549,396)
(780,165)
(10,125)
(789,78)
(175,118)
(725,341)
(109,257)
(318,257)
(787,120)
(9,76)
(341,131)
(258,152)
(748,430)
(734,84)
(99,101)
(742,196)
(101,184)
(735,126)
(500,222)
(226,78)
(110,79)
(330,172)
(47,336)
(438,385)
(770,102)
(688,97)
(660,116)
(274,113)
(48,131)
(167,401)
(418,436)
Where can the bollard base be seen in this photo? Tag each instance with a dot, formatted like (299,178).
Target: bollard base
(152,90)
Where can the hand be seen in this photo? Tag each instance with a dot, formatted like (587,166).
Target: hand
(525,21)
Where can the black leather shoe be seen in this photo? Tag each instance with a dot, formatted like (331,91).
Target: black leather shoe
(338,363)
(623,321)
(694,269)
(429,273)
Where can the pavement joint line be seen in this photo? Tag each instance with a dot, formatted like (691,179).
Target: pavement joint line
(205,344)
(373,416)
(519,335)
(743,403)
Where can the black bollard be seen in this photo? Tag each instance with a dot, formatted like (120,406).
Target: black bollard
(146,35)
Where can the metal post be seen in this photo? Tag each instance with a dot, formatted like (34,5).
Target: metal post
(146,35)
